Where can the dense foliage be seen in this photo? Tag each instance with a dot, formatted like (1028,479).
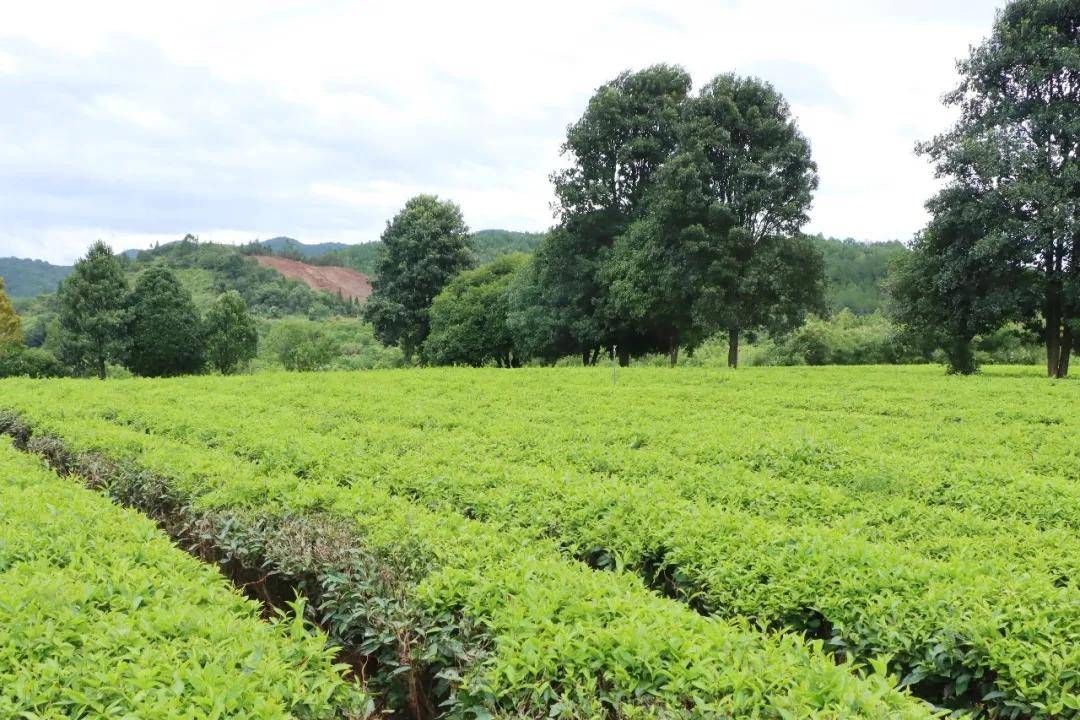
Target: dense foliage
(91,311)
(232,338)
(856,272)
(468,318)
(457,570)
(302,346)
(1005,237)
(424,246)
(30,278)
(353,345)
(164,333)
(102,616)
(10,324)
(20,361)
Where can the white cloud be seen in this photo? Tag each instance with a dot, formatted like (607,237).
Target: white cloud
(8,66)
(130,111)
(318,119)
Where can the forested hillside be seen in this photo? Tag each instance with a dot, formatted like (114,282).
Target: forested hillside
(27,278)
(209,269)
(855,272)
(286,246)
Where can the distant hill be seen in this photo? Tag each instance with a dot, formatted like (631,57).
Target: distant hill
(30,278)
(209,269)
(490,244)
(286,245)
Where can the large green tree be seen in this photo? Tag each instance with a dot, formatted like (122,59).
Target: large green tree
(231,336)
(758,165)
(1015,145)
(10,324)
(719,246)
(662,271)
(423,247)
(961,279)
(91,311)
(165,332)
(469,317)
(629,129)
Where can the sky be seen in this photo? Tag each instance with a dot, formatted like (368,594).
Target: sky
(140,122)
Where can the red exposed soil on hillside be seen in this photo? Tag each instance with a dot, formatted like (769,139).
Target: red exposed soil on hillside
(349,283)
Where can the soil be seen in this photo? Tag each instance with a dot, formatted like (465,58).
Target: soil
(346,282)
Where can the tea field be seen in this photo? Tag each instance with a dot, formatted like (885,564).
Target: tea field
(100,616)
(777,543)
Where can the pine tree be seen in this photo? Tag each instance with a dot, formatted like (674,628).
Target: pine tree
(165,332)
(92,310)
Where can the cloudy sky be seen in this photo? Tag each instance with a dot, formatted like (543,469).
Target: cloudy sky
(136,122)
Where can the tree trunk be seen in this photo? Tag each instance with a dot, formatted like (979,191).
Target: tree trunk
(1067,342)
(673,350)
(1052,349)
(1053,311)
(585,353)
(624,357)
(595,355)
(733,348)
(101,367)
(961,357)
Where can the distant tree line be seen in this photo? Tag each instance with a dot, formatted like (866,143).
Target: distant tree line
(152,329)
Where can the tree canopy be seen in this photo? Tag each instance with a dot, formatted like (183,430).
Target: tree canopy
(231,336)
(469,317)
(629,129)
(958,281)
(1011,161)
(164,330)
(91,311)
(423,247)
(678,217)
